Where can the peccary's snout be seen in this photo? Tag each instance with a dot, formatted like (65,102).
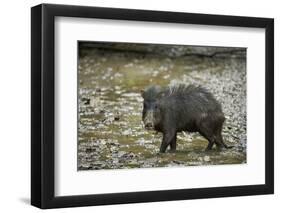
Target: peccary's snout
(148,120)
(148,125)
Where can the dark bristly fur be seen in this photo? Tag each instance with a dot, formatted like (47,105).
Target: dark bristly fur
(183,108)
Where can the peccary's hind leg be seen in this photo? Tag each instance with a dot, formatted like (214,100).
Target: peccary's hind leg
(206,130)
(218,136)
(220,143)
(211,141)
(219,140)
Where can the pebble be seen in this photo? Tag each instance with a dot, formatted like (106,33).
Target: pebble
(206,158)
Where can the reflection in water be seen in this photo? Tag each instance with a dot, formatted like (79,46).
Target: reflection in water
(111,133)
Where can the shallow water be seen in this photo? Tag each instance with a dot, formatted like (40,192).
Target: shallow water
(111,133)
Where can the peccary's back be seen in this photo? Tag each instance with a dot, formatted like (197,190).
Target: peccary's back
(188,104)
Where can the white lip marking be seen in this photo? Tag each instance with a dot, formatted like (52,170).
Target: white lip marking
(149,118)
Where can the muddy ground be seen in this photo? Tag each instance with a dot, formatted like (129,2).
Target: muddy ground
(110,130)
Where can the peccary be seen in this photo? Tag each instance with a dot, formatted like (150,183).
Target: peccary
(183,107)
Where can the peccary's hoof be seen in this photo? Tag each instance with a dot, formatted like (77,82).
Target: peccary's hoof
(161,151)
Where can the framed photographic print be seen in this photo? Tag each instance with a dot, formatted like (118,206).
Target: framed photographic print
(139,106)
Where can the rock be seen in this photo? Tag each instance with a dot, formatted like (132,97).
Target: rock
(127,132)
(121,154)
(86,101)
(206,158)
(115,161)
(177,162)
(141,141)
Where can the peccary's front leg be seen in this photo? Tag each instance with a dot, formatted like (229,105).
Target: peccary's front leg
(168,138)
(173,144)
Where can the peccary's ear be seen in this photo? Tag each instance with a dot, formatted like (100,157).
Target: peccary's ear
(160,95)
(142,93)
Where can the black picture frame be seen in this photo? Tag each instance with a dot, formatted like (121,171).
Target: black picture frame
(43,105)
